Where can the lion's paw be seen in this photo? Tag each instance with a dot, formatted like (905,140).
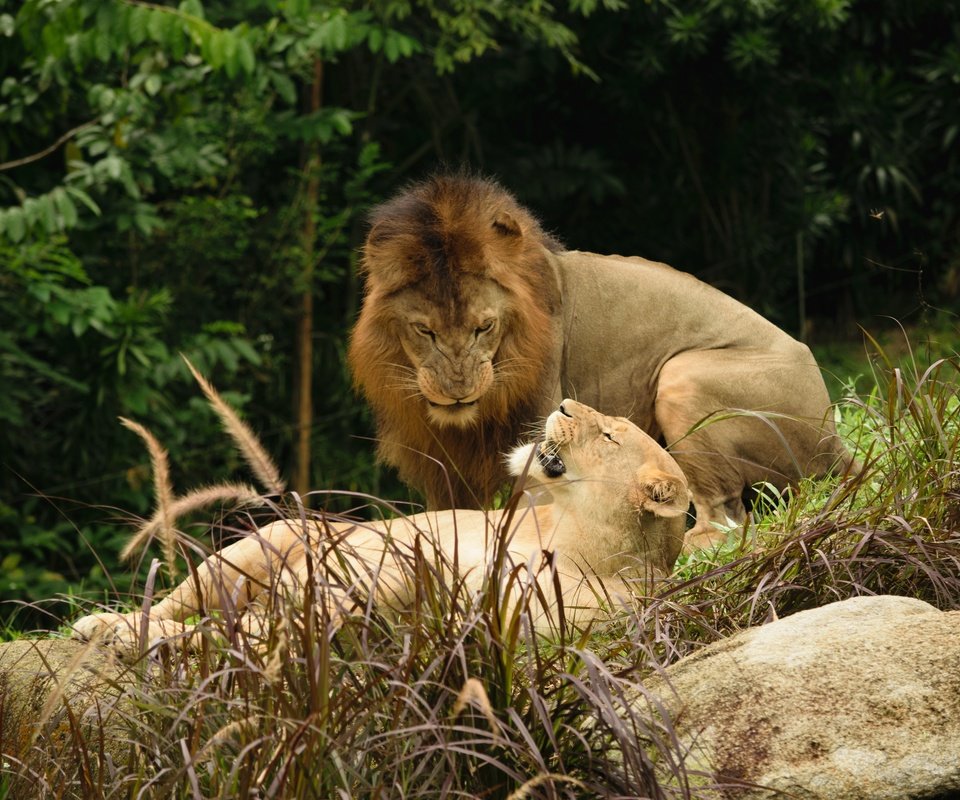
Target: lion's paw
(703,537)
(122,632)
(105,627)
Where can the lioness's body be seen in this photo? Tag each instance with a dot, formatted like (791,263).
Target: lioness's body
(495,322)
(616,512)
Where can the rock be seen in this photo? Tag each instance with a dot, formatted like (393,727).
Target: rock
(855,700)
(65,702)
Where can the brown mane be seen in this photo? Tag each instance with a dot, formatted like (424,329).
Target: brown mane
(429,237)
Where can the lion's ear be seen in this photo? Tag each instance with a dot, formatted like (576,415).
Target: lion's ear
(659,492)
(505,223)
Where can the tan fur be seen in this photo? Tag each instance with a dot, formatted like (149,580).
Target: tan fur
(628,336)
(617,514)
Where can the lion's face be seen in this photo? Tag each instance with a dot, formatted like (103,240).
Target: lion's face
(601,462)
(458,339)
(453,348)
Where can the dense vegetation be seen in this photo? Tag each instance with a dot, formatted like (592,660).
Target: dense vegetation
(193,178)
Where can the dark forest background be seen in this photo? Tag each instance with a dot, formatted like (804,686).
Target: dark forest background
(194,178)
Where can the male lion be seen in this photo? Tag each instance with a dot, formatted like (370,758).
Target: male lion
(616,510)
(475,322)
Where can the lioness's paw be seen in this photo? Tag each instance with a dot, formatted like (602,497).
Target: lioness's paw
(105,627)
(122,633)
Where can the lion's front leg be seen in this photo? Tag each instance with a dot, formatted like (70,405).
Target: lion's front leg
(171,619)
(131,633)
(226,583)
(103,627)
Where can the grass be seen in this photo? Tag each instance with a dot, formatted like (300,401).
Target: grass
(893,529)
(456,697)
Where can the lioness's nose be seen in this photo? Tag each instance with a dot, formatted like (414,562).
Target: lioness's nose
(564,410)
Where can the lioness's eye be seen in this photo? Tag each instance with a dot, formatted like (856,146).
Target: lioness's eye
(610,437)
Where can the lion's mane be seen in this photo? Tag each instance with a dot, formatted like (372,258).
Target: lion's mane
(428,238)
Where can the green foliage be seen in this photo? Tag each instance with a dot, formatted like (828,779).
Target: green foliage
(73,357)
(852,367)
(737,130)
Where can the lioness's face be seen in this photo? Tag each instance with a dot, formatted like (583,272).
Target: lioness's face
(452,347)
(583,450)
(579,442)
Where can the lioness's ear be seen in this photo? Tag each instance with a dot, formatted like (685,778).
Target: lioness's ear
(659,492)
(505,223)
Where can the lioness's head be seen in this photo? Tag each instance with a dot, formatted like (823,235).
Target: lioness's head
(604,466)
(459,301)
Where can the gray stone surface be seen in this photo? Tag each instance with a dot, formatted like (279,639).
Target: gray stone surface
(59,701)
(856,700)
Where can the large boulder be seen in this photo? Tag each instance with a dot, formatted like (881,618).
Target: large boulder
(63,702)
(856,700)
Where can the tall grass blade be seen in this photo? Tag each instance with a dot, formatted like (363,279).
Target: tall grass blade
(246,441)
(163,517)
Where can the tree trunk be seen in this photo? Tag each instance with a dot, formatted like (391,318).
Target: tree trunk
(304,388)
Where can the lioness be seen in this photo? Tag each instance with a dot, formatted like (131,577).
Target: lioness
(475,322)
(616,510)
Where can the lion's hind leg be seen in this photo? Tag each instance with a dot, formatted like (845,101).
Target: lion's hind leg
(735,417)
(721,448)
(713,523)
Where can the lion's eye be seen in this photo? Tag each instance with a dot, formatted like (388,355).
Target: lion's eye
(423,330)
(486,326)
